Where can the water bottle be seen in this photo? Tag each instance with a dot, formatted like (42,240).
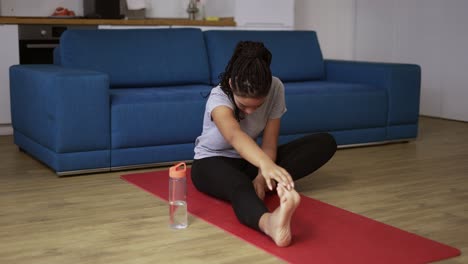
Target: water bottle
(178,196)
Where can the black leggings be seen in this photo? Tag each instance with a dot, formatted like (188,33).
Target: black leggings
(231,179)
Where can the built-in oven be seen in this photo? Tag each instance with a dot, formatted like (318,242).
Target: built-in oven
(37,42)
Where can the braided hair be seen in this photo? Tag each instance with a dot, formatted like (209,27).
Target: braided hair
(248,71)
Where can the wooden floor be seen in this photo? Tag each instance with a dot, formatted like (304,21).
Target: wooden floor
(421,187)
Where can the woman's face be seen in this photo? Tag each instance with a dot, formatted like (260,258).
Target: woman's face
(248,105)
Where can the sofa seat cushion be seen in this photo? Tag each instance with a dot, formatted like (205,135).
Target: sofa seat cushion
(325,106)
(142,117)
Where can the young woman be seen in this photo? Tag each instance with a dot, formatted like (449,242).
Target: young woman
(228,163)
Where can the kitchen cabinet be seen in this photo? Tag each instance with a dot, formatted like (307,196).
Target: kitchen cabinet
(9,54)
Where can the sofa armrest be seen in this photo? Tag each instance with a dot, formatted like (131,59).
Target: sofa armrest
(65,110)
(401,81)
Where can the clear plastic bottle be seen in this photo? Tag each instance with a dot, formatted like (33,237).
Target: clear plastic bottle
(178,196)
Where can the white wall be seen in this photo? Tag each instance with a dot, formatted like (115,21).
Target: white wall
(333,20)
(430,33)
(9,55)
(165,8)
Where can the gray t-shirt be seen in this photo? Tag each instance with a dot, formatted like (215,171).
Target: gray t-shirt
(212,143)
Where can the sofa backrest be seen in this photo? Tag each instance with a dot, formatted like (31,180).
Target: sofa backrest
(296,54)
(139,57)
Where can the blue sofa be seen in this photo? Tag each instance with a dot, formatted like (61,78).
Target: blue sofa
(119,99)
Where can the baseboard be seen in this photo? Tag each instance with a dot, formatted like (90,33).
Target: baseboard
(444,118)
(385,142)
(79,172)
(6,129)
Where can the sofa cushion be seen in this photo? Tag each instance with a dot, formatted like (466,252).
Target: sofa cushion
(144,117)
(139,57)
(333,106)
(296,54)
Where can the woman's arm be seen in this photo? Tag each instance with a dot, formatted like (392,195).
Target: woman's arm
(224,119)
(270,137)
(269,146)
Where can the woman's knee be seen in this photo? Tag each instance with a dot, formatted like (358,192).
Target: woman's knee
(328,143)
(324,142)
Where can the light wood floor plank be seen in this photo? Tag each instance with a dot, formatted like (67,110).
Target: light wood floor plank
(420,186)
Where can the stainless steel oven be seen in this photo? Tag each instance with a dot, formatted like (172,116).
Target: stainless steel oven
(37,42)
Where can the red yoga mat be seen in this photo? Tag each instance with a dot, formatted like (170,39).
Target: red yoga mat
(322,233)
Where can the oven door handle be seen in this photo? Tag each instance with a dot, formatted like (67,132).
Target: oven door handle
(41,46)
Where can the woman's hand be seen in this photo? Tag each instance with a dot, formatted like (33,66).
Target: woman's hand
(260,186)
(272,172)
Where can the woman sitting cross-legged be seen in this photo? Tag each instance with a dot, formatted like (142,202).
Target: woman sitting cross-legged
(228,163)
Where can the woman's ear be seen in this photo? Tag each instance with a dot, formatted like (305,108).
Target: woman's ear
(230,83)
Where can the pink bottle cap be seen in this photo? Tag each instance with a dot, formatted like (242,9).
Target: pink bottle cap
(175,172)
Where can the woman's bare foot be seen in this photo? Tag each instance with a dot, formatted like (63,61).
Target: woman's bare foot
(278,224)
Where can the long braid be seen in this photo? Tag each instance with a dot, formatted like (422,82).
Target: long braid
(249,72)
